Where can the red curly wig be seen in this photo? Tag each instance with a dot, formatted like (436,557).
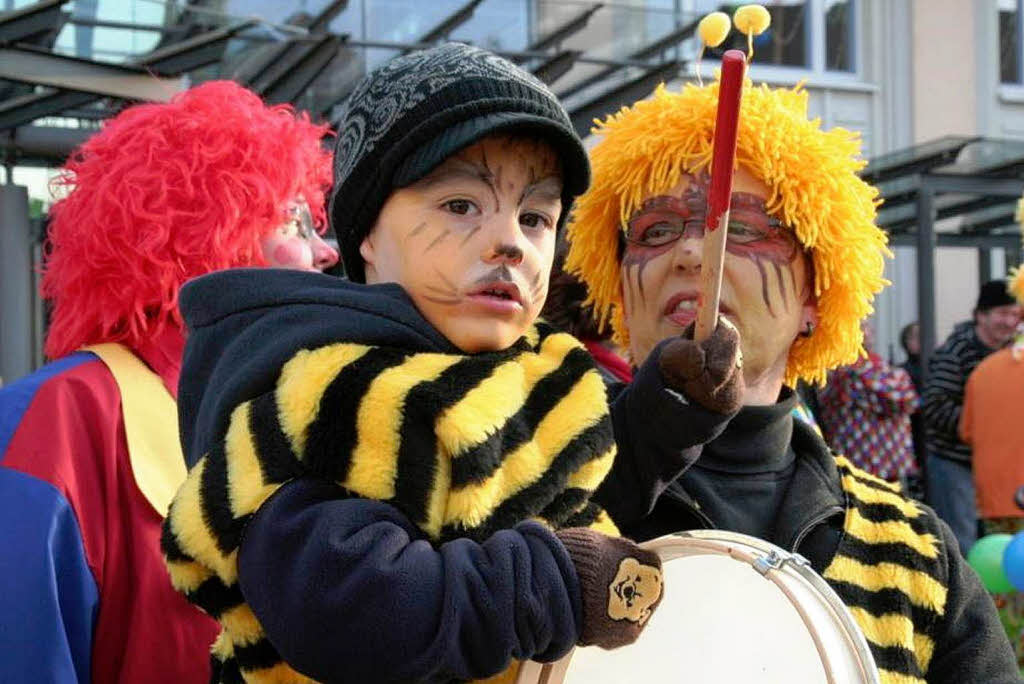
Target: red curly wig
(165,193)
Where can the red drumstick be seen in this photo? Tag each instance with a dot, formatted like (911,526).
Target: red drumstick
(716,225)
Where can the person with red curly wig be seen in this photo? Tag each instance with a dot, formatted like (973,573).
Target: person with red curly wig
(89,454)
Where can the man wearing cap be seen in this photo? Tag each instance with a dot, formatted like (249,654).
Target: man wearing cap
(803,262)
(950,487)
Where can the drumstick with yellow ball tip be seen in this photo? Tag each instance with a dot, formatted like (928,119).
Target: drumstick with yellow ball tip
(713,29)
(716,222)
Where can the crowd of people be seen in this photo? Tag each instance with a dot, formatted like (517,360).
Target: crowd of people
(407,474)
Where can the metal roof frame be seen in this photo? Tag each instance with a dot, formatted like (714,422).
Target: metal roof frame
(557,66)
(625,94)
(565,31)
(930,182)
(35,66)
(453,21)
(666,42)
(32,23)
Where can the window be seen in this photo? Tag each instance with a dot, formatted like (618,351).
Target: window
(1009,41)
(812,35)
(783,44)
(839,35)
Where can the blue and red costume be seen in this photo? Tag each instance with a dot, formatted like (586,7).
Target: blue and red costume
(86,595)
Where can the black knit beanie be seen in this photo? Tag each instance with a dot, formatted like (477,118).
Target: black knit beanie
(993,294)
(412,113)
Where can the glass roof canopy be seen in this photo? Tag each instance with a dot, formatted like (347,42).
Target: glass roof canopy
(969,184)
(983,208)
(310,52)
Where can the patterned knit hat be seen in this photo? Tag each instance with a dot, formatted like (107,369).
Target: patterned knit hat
(417,110)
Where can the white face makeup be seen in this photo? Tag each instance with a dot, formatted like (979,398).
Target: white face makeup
(473,242)
(295,243)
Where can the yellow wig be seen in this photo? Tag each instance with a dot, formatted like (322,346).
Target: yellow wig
(1016,284)
(814,189)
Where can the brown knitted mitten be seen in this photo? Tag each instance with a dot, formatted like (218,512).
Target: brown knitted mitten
(709,372)
(620,584)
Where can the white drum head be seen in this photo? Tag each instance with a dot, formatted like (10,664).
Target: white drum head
(722,620)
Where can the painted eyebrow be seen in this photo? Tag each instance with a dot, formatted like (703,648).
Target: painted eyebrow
(456,169)
(549,188)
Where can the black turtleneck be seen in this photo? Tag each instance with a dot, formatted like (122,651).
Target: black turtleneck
(742,477)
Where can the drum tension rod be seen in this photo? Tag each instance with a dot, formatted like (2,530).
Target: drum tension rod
(775,560)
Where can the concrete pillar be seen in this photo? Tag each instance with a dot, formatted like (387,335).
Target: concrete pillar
(15,283)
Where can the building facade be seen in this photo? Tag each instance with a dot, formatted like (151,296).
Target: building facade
(902,72)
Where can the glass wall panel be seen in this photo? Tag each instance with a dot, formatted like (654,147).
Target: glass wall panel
(1009,41)
(839,33)
(785,43)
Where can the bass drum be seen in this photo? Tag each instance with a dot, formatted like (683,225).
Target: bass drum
(735,609)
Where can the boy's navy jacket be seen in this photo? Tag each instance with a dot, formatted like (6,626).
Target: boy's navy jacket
(349,589)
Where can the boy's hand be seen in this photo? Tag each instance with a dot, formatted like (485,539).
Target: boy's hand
(620,584)
(708,372)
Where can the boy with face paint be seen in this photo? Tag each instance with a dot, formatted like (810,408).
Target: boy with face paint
(89,455)
(392,476)
(803,262)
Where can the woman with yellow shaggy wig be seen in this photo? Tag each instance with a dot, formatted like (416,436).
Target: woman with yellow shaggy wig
(803,262)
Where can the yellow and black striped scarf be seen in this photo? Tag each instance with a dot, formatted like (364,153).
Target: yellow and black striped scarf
(463,445)
(890,571)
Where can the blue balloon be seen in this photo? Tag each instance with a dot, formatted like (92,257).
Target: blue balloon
(1013,561)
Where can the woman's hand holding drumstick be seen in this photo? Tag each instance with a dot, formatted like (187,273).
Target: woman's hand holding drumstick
(716,227)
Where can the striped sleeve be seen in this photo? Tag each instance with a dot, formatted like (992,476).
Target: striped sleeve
(944,393)
(967,415)
(890,572)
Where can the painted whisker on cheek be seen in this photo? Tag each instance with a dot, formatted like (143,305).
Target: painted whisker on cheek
(469,236)
(764,285)
(537,288)
(782,285)
(437,288)
(636,259)
(438,240)
(628,296)
(760,238)
(445,280)
(416,231)
(441,300)
(446,293)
